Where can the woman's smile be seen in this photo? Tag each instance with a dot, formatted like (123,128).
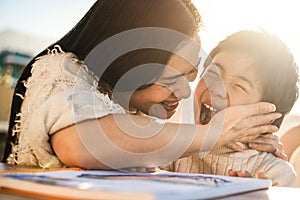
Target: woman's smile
(169,106)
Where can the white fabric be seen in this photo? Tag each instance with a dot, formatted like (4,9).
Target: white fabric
(280,172)
(220,161)
(60,92)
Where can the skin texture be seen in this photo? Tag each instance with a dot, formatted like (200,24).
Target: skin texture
(124,130)
(231,80)
(291,140)
(228,81)
(161,99)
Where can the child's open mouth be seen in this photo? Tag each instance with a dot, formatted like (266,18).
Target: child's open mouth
(207,112)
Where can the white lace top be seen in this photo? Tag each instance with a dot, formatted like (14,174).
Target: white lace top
(60,92)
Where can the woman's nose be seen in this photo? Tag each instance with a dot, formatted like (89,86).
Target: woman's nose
(182,90)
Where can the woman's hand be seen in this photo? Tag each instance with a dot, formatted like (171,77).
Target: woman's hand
(243,123)
(269,143)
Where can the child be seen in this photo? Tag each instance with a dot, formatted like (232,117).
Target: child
(246,67)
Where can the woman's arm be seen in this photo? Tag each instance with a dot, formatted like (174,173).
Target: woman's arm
(120,141)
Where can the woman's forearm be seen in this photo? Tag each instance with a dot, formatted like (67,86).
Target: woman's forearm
(119,141)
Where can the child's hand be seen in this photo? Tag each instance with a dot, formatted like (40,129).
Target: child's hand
(245,174)
(234,146)
(269,143)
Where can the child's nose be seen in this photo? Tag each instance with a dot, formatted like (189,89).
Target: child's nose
(218,90)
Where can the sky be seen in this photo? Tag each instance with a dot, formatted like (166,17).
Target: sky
(223,17)
(46,18)
(53,18)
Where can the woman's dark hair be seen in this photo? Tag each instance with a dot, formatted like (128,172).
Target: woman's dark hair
(274,62)
(107,18)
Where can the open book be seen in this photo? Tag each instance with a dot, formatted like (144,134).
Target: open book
(94,184)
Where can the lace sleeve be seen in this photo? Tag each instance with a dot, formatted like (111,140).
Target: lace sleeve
(60,92)
(70,92)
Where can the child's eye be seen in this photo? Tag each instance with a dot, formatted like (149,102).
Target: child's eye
(210,74)
(240,87)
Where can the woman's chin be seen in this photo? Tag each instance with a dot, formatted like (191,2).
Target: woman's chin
(164,115)
(160,112)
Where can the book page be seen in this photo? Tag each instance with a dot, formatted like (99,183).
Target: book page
(160,185)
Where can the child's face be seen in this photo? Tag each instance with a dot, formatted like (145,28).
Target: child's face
(230,79)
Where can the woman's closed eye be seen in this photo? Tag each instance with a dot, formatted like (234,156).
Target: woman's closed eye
(173,80)
(167,83)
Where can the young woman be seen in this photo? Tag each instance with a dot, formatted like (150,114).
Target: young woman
(87,100)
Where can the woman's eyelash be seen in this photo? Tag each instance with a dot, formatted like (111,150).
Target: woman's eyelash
(170,83)
(167,84)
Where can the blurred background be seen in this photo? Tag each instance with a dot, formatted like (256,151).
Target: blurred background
(28,26)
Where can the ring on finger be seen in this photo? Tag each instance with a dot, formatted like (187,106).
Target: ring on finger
(280,154)
(276,152)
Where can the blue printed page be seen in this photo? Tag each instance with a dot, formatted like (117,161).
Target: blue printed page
(160,184)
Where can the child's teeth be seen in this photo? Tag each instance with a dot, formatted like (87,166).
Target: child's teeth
(210,107)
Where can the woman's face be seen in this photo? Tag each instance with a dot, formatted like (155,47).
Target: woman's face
(230,79)
(161,99)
